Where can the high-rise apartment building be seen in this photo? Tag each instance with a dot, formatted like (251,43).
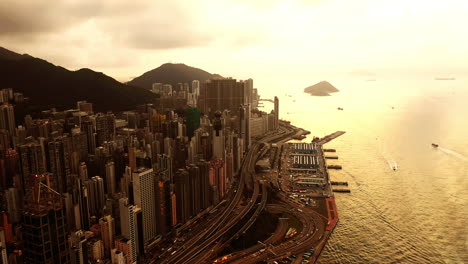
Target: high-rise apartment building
(217,95)
(196,87)
(157,88)
(144,191)
(218,176)
(105,127)
(84,106)
(33,161)
(78,249)
(182,194)
(276,109)
(107,233)
(3,250)
(7,118)
(248,91)
(110,178)
(44,226)
(131,229)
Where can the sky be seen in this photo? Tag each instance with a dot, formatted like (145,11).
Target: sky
(266,40)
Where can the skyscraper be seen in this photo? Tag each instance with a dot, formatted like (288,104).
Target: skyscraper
(193,121)
(163,208)
(157,88)
(78,249)
(7,118)
(129,228)
(11,167)
(32,158)
(110,177)
(3,251)
(89,128)
(195,189)
(218,175)
(182,195)
(217,95)
(105,127)
(58,151)
(107,233)
(205,188)
(218,136)
(196,87)
(144,191)
(248,91)
(96,195)
(276,102)
(44,226)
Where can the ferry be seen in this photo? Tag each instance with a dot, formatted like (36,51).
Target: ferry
(435,145)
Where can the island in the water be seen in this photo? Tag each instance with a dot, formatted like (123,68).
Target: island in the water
(322,88)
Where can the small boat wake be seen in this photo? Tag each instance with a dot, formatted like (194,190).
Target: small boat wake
(392,164)
(453,153)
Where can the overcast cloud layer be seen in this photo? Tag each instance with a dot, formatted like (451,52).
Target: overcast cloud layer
(240,38)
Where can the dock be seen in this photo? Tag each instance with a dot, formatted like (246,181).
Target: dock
(339,183)
(334,167)
(342,190)
(331,157)
(330,137)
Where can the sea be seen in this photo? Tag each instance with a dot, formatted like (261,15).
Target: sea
(417,213)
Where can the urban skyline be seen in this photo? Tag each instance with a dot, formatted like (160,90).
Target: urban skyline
(83,187)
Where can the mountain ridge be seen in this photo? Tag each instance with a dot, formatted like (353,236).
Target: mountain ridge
(49,85)
(172,73)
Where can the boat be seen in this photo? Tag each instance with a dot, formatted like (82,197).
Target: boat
(394,168)
(444,78)
(339,108)
(435,145)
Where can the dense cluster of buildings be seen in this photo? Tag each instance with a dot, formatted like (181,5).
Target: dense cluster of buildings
(85,187)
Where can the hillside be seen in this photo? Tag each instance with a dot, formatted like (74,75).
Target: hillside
(48,85)
(322,88)
(10,55)
(170,73)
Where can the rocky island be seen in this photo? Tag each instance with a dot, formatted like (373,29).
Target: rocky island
(322,88)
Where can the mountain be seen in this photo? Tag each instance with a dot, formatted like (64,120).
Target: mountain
(10,55)
(48,85)
(170,73)
(322,88)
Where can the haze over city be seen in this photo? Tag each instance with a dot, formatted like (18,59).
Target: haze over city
(291,39)
(224,131)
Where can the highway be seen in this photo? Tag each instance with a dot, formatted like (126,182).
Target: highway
(208,237)
(277,235)
(312,231)
(225,219)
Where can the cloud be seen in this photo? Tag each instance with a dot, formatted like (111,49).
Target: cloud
(161,25)
(138,24)
(38,16)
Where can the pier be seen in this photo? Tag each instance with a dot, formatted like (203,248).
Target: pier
(339,183)
(330,137)
(342,190)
